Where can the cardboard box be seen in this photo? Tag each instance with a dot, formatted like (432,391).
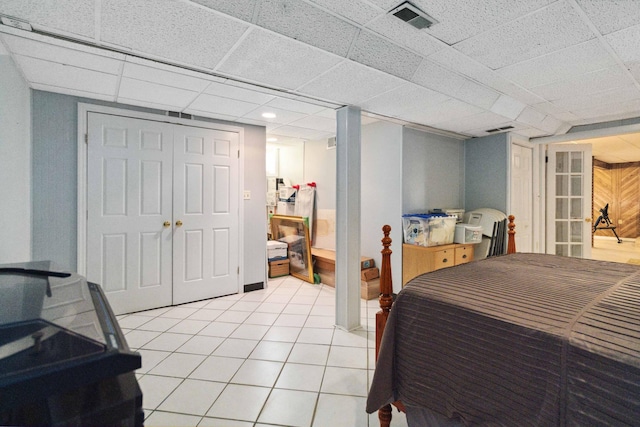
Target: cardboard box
(370,289)
(325,259)
(369,274)
(276,250)
(278,268)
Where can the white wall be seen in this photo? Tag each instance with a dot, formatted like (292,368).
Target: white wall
(291,162)
(320,167)
(15,163)
(381,172)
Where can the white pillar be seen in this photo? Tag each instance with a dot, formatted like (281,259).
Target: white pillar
(348,218)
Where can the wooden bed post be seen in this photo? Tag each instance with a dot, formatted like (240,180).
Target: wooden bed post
(511,246)
(386,299)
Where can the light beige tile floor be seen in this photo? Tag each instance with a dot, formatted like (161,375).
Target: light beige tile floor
(264,358)
(608,249)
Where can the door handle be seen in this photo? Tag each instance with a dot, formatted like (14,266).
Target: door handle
(166,224)
(178,223)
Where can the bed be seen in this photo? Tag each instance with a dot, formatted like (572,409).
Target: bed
(512,340)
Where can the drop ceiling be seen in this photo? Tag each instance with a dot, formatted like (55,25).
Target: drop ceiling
(540,66)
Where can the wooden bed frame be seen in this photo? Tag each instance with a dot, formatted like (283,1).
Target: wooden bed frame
(386,301)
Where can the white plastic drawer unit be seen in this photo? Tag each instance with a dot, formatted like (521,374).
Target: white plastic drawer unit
(466,233)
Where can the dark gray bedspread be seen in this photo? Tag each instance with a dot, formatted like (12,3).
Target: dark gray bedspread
(522,339)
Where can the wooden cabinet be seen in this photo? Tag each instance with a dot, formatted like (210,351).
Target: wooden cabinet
(420,259)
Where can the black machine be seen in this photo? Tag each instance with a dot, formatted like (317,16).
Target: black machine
(63,357)
(604,218)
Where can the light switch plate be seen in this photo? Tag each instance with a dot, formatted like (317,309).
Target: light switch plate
(247,195)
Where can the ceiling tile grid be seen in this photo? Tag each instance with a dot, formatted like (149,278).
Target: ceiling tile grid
(460,20)
(383,55)
(271,59)
(547,30)
(69,16)
(168,29)
(599,12)
(302,21)
(539,65)
(350,83)
(358,11)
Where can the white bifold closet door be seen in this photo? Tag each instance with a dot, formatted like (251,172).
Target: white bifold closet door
(162,220)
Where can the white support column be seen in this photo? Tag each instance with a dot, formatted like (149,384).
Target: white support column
(348,218)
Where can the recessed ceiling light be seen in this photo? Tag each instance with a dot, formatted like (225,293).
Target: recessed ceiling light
(272,139)
(269,115)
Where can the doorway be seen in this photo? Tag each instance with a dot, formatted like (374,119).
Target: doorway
(162,211)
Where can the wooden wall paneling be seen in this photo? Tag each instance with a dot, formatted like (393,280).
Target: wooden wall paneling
(627,191)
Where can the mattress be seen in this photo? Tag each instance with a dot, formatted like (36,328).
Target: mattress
(521,339)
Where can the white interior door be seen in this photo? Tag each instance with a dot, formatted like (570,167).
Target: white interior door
(163,212)
(522,195)
(569,180)
(205,214)
(129,200)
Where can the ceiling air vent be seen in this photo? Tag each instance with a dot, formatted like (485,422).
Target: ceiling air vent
(412,15)
(499,129)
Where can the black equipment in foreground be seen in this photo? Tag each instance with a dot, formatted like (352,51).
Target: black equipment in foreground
(63,357)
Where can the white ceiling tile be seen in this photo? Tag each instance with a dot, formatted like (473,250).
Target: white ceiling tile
(433,76)
(485,120)
(275,60)
(211,115)
(162,77)
(219,105)
(316,123)
(561,65)
(147,104)
(532,132)
(531,116)
(419,41)
(173,69)
(632,138)
(549,29)
(477,94)
(72,92)
(155,93)
(241,94)
(409,96)
(302,21)
(297,132)
(448,110)
(548,108)
(604,79)
(110,63)
(374,51)
(611,15)
(171,30)
(350,83)
(3,50)
(603,113)
(329,113)
(355,10)
(625,43)
(454,60)
(282,116)
(241,9)
(296,106)
(386,4)
(508,107)
(70,16)
(550,124)
(459,20)
(610,96)
(66,76)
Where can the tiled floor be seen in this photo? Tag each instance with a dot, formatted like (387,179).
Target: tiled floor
(264,358)
(608,249)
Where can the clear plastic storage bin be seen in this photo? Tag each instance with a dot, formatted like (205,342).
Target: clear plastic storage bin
(428,229)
